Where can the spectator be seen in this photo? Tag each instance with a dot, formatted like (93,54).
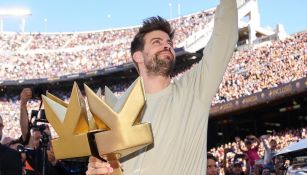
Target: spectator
(10,162)
(42,147)
(250,151)
(211,165)
(235,168)
(270,151)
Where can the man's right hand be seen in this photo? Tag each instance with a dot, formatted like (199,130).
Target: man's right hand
(97,167)
(25,95)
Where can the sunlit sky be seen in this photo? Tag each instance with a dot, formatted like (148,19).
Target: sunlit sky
(81,15)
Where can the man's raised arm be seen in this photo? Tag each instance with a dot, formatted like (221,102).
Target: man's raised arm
(219,49)
(25,95)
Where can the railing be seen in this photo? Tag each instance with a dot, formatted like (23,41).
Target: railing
(284,90)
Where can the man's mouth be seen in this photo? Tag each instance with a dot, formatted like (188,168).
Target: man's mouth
(168,54)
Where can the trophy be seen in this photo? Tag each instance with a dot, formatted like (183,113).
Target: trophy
(118,129)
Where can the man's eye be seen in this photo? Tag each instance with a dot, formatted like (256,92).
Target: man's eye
(156,42)
(171,44)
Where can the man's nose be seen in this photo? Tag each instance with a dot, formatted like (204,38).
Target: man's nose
(166,46)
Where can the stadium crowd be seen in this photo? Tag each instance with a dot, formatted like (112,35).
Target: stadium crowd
(251,71)
(232,159)
(54,55)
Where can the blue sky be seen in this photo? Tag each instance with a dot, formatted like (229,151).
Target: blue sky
(87,15)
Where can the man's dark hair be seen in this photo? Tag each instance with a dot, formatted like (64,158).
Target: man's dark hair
(149,25)
(210,156)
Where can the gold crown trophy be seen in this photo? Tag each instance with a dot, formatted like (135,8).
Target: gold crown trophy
(118,129)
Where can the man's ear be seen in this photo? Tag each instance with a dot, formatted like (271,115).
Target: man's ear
(138,57)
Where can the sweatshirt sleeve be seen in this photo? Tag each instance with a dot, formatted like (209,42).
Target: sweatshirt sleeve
(204,79)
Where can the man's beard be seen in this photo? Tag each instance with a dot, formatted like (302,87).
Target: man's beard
(160,66)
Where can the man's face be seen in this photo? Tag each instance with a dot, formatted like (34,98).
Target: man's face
(248,146)
(273,144)
(211,167)
(1,127)
(158,53)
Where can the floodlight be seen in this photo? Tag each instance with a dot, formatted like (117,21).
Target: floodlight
(15,12)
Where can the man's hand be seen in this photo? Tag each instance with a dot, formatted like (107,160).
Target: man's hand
(25,95)
(237,139)
(97,167)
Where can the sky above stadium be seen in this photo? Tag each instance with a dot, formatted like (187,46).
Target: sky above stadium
(88,15)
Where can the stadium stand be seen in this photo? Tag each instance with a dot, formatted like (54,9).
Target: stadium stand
(34,56)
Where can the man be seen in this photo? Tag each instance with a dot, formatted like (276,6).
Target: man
(10,162)
(31,138)
(211,165)
(234,168)
(177,110)
(270,151)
